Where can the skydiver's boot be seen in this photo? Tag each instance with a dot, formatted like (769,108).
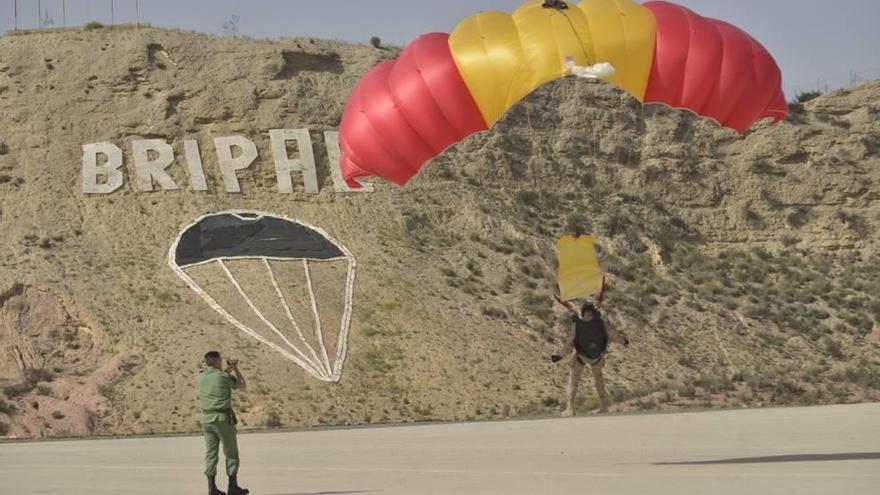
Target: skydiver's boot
(234,489)
(600,387)
(574,378)
(212,487)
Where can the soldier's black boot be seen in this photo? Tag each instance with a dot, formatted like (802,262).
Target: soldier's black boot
(212,487)
(234,489)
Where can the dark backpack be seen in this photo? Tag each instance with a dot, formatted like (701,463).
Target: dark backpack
(591,339)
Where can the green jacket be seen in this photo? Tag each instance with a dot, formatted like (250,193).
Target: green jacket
(215,395)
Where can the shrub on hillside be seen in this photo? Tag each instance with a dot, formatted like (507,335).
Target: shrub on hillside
(807,96)
(273,420)
(17,389)
(799,217)
(40,375)
(854,222)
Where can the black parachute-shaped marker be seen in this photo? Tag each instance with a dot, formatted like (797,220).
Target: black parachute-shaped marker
(262,240)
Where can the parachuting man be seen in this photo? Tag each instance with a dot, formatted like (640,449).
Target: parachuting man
(587,340)
(218,419)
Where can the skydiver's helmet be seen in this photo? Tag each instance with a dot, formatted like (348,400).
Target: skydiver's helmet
(591,307)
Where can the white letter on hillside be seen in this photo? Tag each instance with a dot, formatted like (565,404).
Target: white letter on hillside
(331,141)
(228,164)
(194,165)
(146,169)
(284,165)
(91,170)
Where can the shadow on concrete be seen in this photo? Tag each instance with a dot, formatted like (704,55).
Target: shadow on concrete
(851,456)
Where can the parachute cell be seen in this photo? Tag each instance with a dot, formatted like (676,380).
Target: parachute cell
(405,112)
(445,87)
(713,69)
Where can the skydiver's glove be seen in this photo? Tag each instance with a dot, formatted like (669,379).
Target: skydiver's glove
(556,358)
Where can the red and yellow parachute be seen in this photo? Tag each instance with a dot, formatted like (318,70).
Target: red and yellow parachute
(443,87)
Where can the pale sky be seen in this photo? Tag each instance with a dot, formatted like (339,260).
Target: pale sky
(815,41)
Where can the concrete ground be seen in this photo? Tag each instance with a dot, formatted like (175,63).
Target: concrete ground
(817,450)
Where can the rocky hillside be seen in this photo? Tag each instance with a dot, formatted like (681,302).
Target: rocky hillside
(745,270)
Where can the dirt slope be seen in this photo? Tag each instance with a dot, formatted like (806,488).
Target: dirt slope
(744,269)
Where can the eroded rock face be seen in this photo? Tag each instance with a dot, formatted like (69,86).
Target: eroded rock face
(53,383)
(38,333)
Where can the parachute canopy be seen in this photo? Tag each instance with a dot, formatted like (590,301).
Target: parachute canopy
(444,87)
(579,276)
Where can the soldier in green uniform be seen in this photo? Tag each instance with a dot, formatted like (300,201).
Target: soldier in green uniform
(218,419)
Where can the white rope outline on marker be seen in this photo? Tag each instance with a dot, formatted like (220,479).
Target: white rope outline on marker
(335,371)
(319,333)
(244,328)
(342,342)
(290,317)
(263,318)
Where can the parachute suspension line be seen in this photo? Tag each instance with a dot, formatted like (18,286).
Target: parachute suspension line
(342,347)
(578,36)
(261,316)
(687,135)
(561,7)
(529,122)
(532,142)
(318,331)
(239,325)
(317,361)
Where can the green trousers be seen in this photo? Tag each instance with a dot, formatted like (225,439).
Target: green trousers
(216,433)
